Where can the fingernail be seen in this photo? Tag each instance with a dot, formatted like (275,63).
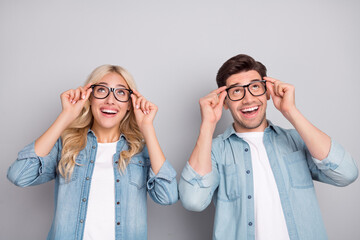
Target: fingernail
(83,97)
(137,106)
(74,102)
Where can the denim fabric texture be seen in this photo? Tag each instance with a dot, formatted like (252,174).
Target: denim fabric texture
(230,183)
(71,196)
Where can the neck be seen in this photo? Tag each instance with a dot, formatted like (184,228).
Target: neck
(243,129)
(106,135)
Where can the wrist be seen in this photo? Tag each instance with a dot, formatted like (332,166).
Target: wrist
(207,128)
(292,114)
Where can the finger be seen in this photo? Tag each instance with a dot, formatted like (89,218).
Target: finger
(270,88)
(142,105)
(138,102)
(219,90)
(147,107)
(87,86)
(281,90)
(133,100)
(213,100)
(82,93)
(87,94)
(71,95)
(222,97)
(270,79)
(77,95)
(136,93)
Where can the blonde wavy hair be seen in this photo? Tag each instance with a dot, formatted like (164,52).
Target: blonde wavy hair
(74,138)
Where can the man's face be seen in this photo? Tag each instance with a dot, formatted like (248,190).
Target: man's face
(249,113)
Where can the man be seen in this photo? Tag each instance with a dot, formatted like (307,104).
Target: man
(260,175)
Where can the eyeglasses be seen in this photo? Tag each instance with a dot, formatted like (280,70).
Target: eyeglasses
(255,88)
(120,94)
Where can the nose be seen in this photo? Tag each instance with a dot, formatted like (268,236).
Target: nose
(248,96)
(110,99)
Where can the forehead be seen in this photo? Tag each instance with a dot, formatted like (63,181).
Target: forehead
(243,78)
(113,80)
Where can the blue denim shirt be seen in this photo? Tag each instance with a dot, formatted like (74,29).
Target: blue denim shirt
(230,183)
(71,197)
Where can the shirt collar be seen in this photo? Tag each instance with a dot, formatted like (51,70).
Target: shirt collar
(230,130)
(92,134)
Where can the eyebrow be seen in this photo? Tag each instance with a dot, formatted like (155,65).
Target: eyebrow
(237,84)
(104,83)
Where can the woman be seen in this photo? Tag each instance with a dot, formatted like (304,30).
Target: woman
(95,150)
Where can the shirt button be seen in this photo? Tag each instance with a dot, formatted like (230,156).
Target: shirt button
(117,180)
(246,149)
(84,199)
(116,162)
(250,223)
(93,147)
(81,221)
(118,223)
(118,203)
(140,162)
(87,178)
(249,197)
(92,161)
(248,171)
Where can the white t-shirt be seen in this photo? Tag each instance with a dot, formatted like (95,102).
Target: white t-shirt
(100,215)
(269,216)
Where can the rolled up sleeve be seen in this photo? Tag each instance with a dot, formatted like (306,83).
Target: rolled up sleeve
(30,169)
(196,191)
(339,166)
(162,187)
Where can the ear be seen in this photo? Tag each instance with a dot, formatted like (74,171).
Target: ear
(226,107)
(267,95)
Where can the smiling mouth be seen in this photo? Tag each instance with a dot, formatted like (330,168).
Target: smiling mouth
(249,111)
(109,112)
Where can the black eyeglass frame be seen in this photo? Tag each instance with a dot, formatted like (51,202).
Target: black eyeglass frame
(246,86)
(111,90)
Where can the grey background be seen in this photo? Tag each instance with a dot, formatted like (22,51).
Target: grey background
(174,49)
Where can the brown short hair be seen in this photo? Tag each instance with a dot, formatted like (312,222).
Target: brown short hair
(237,64)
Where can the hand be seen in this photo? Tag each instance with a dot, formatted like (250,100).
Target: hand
(282,94)
(73,101)
(211,105)
(144,110)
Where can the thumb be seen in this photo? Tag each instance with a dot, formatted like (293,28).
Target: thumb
(133,100)
(221,99)
(88,92)
(270,88)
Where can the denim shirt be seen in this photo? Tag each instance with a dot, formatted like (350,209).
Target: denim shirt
(230,183)
(71,196)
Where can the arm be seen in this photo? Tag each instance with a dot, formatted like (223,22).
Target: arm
(162,184)
(211,111)
(37,162)
(72,102)
(328,161)
(200,176)
(283,96)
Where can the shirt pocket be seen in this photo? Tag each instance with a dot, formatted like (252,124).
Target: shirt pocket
(229,188)
(79,160)
(298,169)
(137,171)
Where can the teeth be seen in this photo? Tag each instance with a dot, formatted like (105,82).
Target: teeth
(249,109)
(108,111)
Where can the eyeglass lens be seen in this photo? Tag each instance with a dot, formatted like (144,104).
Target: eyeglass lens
(255,88)
(121,94)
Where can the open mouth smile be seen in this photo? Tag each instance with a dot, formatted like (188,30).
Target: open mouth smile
(108,112)
(249,112)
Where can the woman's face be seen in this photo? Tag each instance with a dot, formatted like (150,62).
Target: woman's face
(109,112)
